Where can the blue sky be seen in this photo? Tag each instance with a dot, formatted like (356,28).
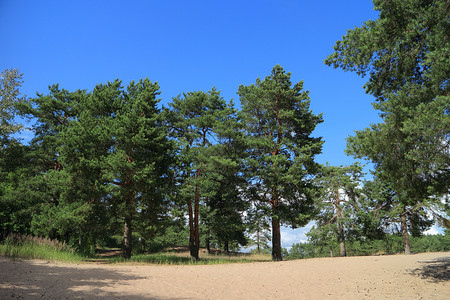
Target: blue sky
(190,46)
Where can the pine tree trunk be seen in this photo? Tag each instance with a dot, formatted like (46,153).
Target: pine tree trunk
(276,240)
(404,225)
(226,247)
(208,236)
(192,248)
(194,232)
(342,248)
(341,238)
(195,244)
(127,230)
(331,251)
(258,241)
(276,230)
(196,221)
(208,243)
(126,249)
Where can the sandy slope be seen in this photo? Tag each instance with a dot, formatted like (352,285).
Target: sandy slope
(420,276)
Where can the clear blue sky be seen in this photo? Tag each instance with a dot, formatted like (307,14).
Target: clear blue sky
(192,45)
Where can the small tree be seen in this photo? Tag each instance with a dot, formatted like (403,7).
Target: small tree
(340,193)
(10,82)
(393,215)
(259,226)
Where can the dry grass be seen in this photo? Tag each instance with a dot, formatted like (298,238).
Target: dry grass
(180,255)
(30,247)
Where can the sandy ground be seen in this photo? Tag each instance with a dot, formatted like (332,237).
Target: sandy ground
(420,276)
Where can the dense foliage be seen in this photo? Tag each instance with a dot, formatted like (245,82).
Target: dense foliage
(109,158)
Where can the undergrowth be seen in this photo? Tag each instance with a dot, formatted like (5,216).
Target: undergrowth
(29,247)
(172,259)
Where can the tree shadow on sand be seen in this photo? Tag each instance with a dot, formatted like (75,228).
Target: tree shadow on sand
(26,279)
(436,270)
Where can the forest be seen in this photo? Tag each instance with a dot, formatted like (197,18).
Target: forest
(110,167)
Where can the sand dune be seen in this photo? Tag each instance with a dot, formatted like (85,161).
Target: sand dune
(420,276)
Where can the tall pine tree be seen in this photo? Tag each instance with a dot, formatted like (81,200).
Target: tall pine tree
(405,54)
(192,121)
(278,125)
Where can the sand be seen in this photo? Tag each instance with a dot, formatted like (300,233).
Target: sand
(419,276)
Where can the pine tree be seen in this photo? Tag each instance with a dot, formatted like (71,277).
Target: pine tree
(226,205)
(405,53)
(278,126)
(339,205)
(119,142)
(393,215)
(192,121)
(10,82)
(46,187)
(13,156)
(97,155)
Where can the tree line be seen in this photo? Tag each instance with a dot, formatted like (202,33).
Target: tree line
(390,244)
(111,166)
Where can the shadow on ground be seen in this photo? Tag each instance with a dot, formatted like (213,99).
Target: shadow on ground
(26,279)
(436,270)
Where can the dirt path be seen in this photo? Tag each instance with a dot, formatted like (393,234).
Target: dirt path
(420,276)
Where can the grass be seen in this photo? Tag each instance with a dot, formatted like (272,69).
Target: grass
(28,247)
(183,259)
